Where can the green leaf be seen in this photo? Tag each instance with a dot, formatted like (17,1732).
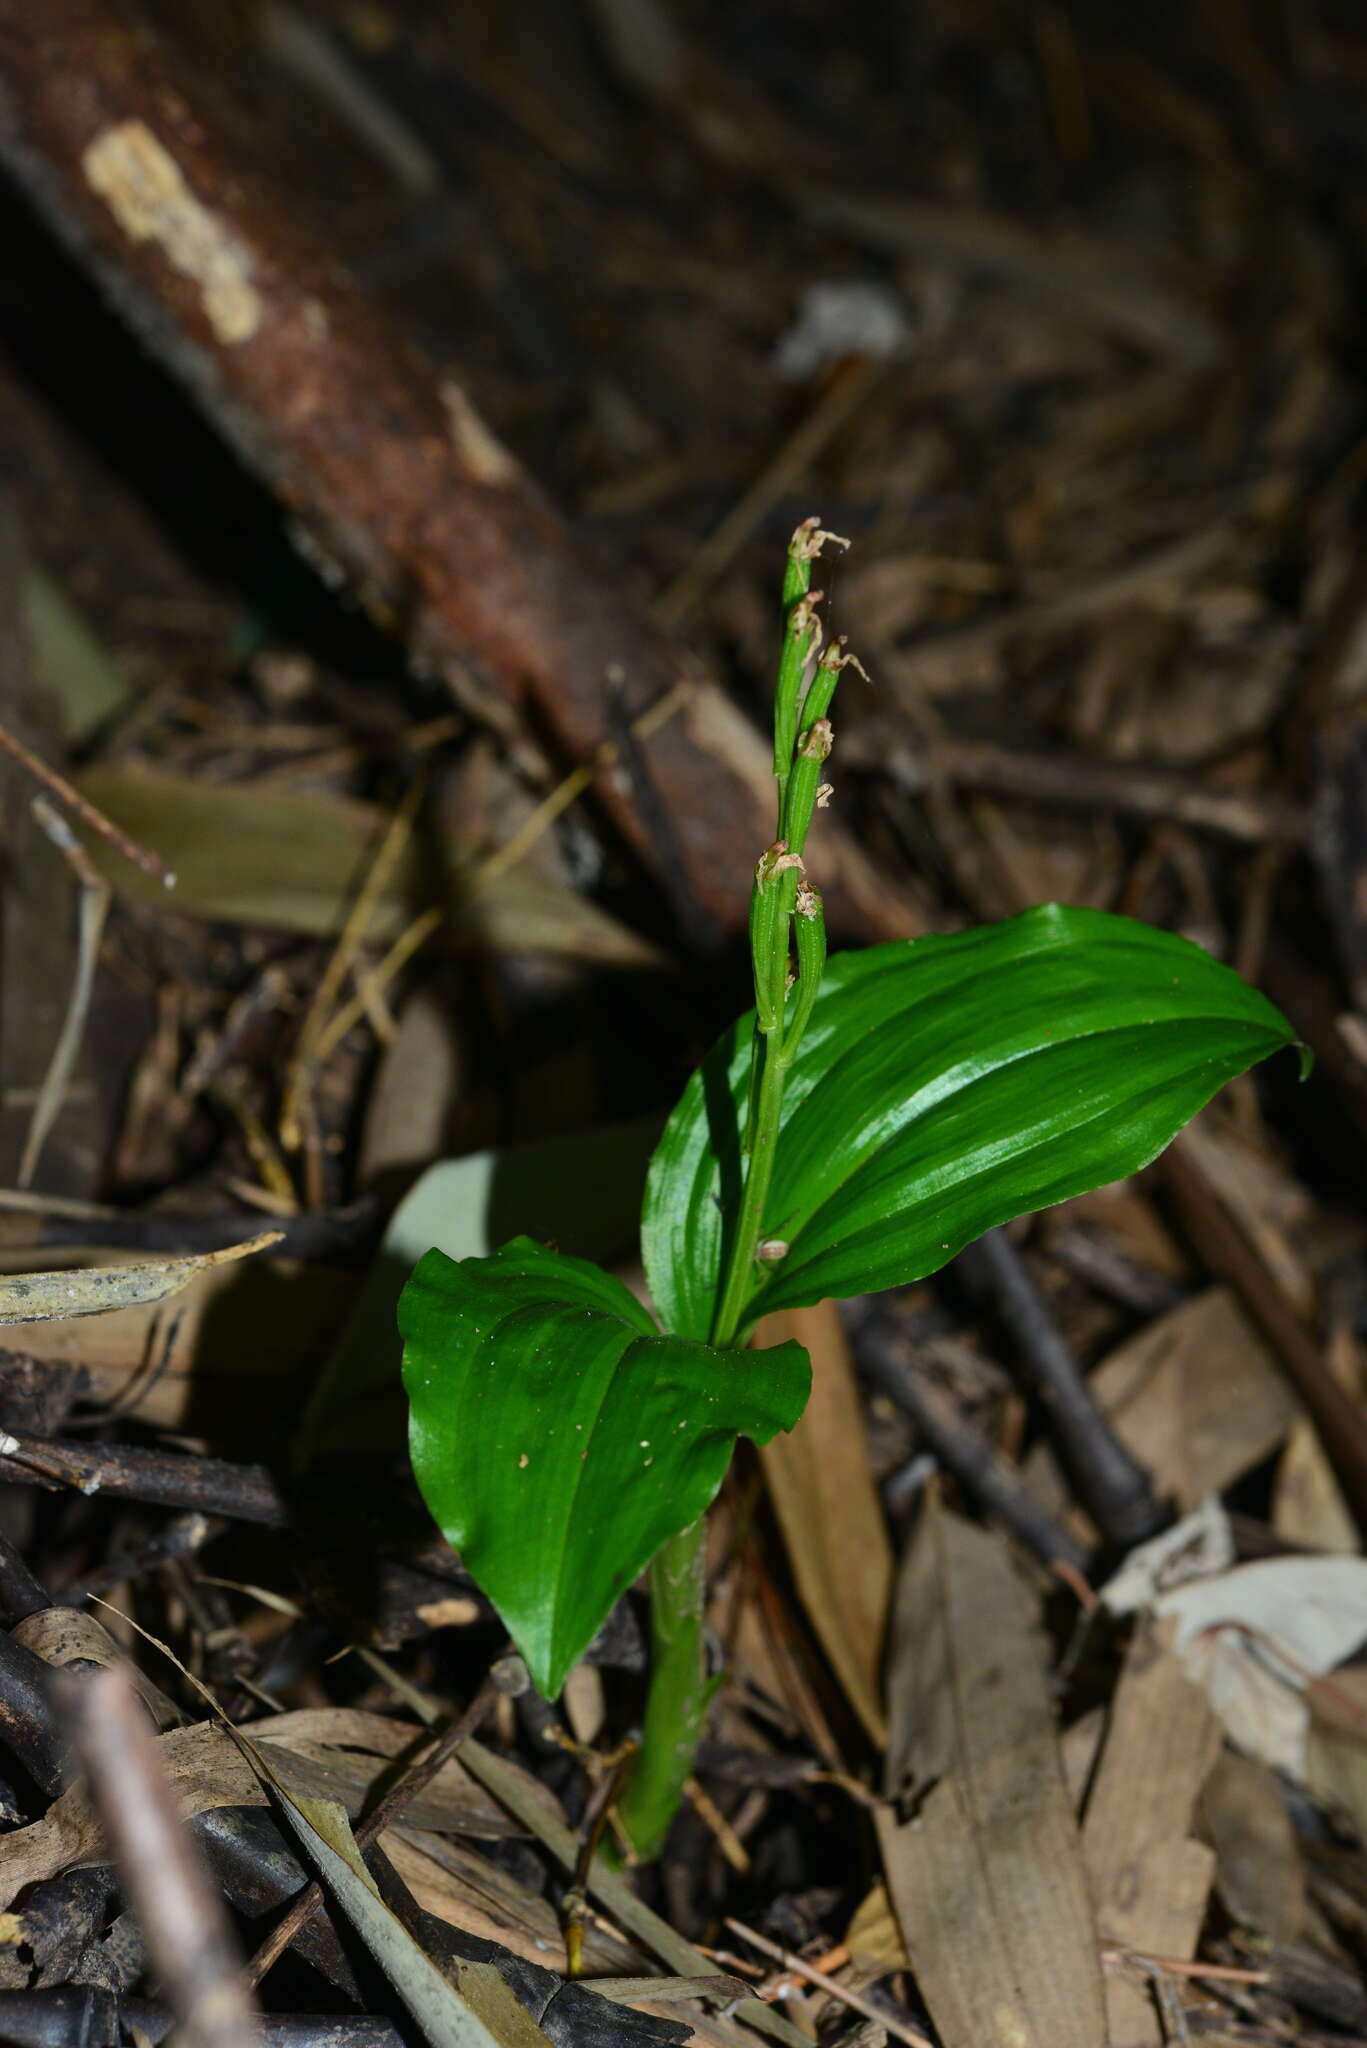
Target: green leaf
(945,1085)
(559,1439)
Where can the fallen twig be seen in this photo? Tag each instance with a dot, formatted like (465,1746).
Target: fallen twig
(1227,1252)
(71,799)
(1111,1484)
(901,2030)
(962,1450)
(182,1917)
(95,896)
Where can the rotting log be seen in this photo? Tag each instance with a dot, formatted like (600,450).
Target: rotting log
(396,484)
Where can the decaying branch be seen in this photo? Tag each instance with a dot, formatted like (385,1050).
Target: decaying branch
(396,482)
(183,1919)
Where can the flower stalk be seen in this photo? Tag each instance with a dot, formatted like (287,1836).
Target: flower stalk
(786,918)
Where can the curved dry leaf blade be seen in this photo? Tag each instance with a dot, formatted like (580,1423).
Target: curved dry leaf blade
(987,1877)
(96,1290)
(824,1495)
(444,2015)
(559,1439)
(260,853)
(945,1085)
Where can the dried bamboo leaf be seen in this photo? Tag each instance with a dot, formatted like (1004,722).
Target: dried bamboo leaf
(987,1877)
(96,1290)
(1150,1880)
(822,1487)
(258,853)
(63,1635)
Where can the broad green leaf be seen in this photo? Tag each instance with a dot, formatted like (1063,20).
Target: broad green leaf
(559,1439)
(582,1189)
(946,1085)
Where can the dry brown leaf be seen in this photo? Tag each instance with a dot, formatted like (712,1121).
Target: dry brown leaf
(63,1635)
(1257,1638)
(1265,1200)
(466,1890)
(822,1487)
(205,1770)
(1150,1879)
(1259,1873)
(1308,1508)
(987,1877)
(352,1749)
(873,1932)
(56,1297)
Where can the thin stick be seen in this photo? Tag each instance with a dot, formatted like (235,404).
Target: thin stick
(962,1449)
(1110,1482)
(575,783)
(415,1780)
(372,985)
(901,2030)
(182,1917)
(71,798)
(850,383)
(305,1060)
(1173,1966)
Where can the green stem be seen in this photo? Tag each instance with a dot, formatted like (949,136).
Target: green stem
(680,1692)
(740,1266)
